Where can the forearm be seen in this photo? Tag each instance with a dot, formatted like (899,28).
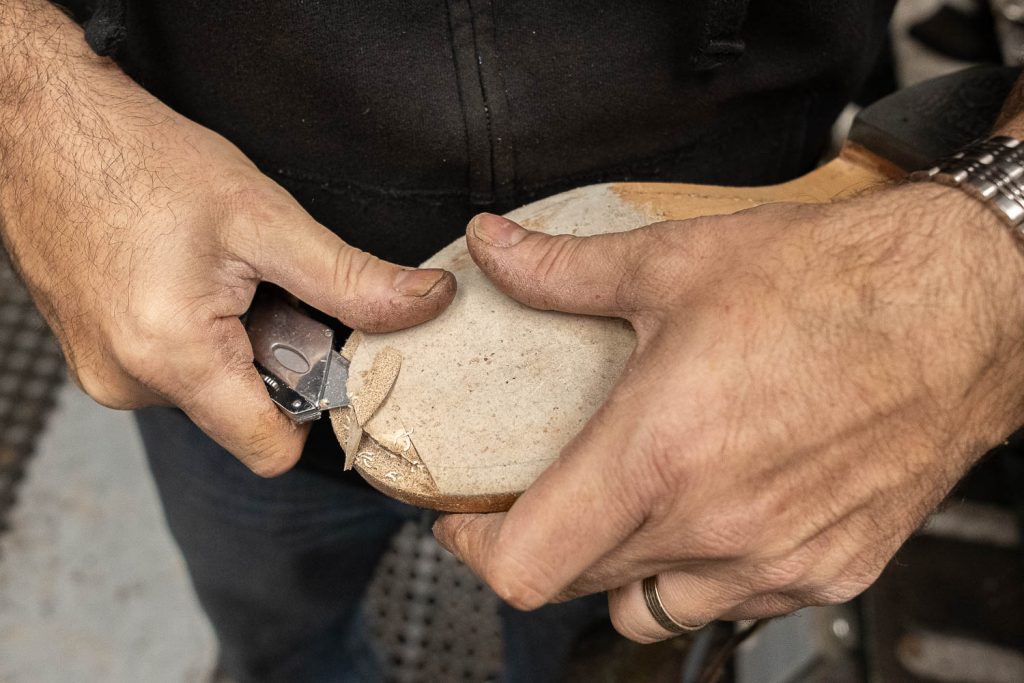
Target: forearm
(50,82)
(69,142)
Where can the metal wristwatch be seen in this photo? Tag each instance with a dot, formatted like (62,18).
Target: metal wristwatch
(991,171)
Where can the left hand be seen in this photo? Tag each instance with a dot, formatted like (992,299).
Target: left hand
(809,381)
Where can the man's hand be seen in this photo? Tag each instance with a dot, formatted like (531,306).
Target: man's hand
(809,381)
(142,237)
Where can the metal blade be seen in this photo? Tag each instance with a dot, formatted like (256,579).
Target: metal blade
(296,358)
(335,393)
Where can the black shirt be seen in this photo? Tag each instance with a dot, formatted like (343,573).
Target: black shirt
(393,121)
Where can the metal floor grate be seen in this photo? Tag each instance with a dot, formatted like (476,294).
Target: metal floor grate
(31,369)
(432,619)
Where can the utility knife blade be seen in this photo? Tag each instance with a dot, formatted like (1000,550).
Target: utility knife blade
(295,356)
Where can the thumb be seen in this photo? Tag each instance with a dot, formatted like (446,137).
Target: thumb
(295,252)
(590,275)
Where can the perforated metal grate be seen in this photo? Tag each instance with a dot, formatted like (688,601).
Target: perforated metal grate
(432,619)
(31,368)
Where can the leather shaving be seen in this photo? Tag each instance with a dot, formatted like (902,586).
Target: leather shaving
(380,378)
(344,423)
(401,445)
(355,435)
(351,344)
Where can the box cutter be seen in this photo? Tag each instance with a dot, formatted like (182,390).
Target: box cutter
(295,356)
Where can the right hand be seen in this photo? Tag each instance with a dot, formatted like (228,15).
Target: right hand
(142,237)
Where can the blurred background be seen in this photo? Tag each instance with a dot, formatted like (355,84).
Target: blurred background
(93,589)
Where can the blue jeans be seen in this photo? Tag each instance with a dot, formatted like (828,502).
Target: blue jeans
(281,565)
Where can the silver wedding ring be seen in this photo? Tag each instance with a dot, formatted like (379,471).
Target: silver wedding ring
(657,609)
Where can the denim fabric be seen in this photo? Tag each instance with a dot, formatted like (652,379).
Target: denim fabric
(281,565)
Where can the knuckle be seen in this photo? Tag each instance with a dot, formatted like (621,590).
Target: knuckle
(557,254)
(647,273)
(544,262)
(674,255)
(260,202)
(270,465)
(357,286)
(267,458)
(839,592)
(106,391)
(843,582)
(143,345)
(771,605)
(781,574)
(727,537)
(350,268)
(629,626)
(847,586)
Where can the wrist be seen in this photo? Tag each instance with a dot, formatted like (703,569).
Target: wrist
(979,255)
(977,265)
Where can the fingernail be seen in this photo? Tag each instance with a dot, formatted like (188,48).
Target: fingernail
(414,282)
(497,231)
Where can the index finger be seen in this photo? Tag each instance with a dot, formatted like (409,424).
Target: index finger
(221,391)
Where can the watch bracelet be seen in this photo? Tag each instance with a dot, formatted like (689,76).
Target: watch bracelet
(991,171)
